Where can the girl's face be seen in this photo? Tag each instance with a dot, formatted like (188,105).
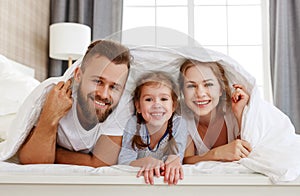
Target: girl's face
(155,105)
(201,90)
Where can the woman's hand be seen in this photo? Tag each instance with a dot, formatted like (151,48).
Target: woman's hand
(173,170)
(150,167)
(232,151)
(239,100)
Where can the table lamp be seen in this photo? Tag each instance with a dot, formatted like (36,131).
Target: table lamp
(68,41)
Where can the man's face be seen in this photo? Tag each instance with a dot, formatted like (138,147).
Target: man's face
(100,88)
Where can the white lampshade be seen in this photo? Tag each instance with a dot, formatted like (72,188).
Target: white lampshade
(68,40)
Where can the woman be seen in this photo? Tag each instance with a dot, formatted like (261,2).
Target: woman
(214,115)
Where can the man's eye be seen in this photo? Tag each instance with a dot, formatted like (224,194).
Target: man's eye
(97,81)
(115,87)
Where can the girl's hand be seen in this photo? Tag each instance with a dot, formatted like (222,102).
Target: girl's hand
(173,170)
(232,151)
(150,167)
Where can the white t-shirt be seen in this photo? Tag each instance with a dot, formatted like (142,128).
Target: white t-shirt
(71,135)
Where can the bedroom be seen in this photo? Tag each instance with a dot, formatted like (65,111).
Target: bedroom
(26,41)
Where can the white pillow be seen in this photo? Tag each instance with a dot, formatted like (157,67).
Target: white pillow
(14,87)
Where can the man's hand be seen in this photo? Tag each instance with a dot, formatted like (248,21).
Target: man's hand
(58,102)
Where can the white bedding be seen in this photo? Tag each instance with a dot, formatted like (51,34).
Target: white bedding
(276,147)
(210,167)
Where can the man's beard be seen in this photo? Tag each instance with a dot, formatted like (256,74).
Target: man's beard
(93,115)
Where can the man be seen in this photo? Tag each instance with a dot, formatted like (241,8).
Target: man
(80,127)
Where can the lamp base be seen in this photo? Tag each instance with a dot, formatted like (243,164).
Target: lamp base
(69,61)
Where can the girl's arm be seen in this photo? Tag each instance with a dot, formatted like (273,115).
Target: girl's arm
(127,153)
(173,164)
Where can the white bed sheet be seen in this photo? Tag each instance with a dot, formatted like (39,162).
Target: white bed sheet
(5,121)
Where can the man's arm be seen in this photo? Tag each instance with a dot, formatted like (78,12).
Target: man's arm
(40,145)
(105,153)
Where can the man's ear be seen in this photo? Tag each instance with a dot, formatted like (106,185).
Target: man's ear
(77,74)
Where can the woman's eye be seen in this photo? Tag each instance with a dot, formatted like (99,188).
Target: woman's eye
(209,84)
(191,86)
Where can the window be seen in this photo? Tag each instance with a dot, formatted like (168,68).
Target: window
(238,28)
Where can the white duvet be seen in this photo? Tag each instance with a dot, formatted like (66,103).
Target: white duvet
(276,147)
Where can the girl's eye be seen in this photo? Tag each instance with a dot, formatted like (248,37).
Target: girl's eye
(164,99)
(148,99)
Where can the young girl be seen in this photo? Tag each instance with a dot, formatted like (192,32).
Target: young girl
(154,139)
(215,113)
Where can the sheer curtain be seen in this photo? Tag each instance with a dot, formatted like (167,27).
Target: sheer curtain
(103,16)
(285,57)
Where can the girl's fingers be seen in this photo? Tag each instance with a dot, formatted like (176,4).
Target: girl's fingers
(146,176)
(176,176)
(167,173)
(150,176)
(172,176)
(181,173)
(157,171)
(140,172)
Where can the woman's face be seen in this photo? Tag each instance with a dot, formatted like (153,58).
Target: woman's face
(201,90)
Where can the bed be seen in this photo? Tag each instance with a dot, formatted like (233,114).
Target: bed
(210,178)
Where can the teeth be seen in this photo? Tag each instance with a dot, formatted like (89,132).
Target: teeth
(201,102)
(100,103)
(156,114)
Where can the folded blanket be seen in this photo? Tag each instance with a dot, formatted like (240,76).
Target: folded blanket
(276,147)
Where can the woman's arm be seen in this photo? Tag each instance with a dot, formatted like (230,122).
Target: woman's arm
(232,151)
